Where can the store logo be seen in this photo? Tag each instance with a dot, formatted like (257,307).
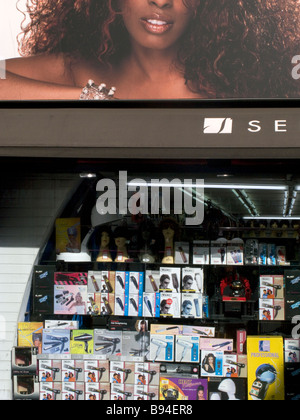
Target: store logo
(217,126)
(296,329)
(155,197)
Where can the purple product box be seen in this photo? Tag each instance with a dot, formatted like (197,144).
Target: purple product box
(185,389)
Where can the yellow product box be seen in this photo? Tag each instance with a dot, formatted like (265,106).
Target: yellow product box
(30,334)
(265,368)
(82,342)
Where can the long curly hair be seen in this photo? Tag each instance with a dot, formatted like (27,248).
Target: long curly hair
(232,48)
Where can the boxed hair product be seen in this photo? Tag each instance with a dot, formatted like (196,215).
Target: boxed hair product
(50,391)
(73,391)
(182,252)
(122,372)
(82,342)
(56,341)
(135,345)
(96,371)
(122,392)
(166,329)
(70,293)
(170,279)
(151,305)
(30,335)
(93,304)
(292,282)
(271,287)
(170,304)
(162,348)
(108,344)
(251,252)
(97,391)
(212,363)
(49,368)
(271,309)
(265,368)
(61,324)
(146,392)
(147,373)
(187,349)
(72,370)
(218,252)
(201,253)
(223,344)
(291,350)
(227,389)
(235,252)
(192,280)
(196,330)
(184,389)
(152,281)
(136,282)
(191,305)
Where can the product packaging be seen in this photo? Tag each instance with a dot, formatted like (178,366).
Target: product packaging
(271,309)
(82,342)
(50,391)
(49,368)
(72,370)
(56,341)
(218,252)
(108,344)
(227,389)
(192,280)
(265,368)
(191,305)
(235,252)
(96,371)
(170,304)
(212,363)
(162,348)
(122,372)
(187,349)
(291,350)
(73,391)
(151,305)
(182,389)
(170,279)
(135,345)
(30,335)
(97,391)
(201,253)
(182,252)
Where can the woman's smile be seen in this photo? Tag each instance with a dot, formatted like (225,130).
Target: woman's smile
(157,25)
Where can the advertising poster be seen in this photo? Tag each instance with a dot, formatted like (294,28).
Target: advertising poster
(129,50)
(68,235)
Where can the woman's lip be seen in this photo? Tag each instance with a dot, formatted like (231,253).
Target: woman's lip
(157,25)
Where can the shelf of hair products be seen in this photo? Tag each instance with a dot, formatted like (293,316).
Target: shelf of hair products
(157,314)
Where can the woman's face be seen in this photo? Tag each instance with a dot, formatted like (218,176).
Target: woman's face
(155,24)
(104,239)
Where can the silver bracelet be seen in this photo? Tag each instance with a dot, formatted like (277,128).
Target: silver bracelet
(92,92)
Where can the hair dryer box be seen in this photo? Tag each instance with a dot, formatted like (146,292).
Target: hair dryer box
(265,368)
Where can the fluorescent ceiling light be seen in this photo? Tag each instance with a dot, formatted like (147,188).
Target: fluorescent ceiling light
(246,187)
(271,218)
